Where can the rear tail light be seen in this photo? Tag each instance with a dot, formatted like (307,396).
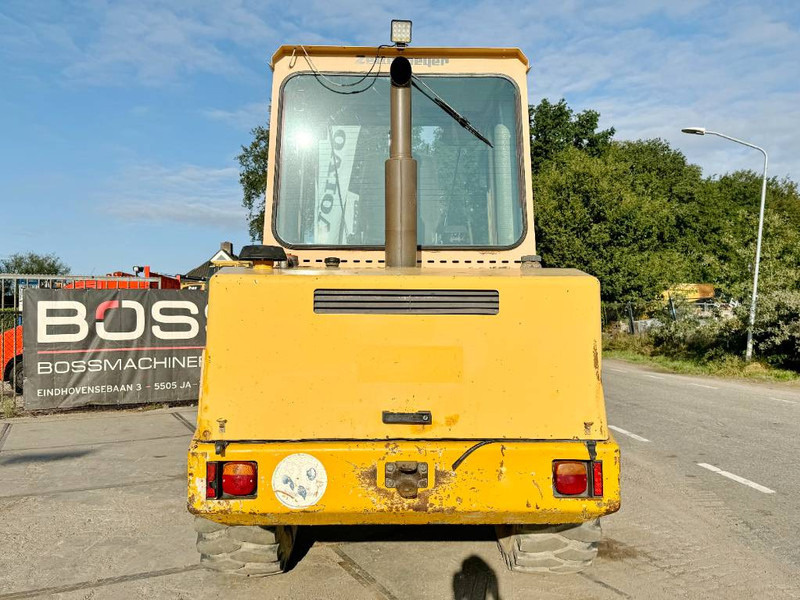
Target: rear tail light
(573,478)
(239,478)
(212,485)
(570,477)
(225,479)
(597,479)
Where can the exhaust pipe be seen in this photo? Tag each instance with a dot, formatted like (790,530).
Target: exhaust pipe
(401,173)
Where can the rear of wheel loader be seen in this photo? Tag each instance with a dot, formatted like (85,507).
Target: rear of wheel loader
(408,361)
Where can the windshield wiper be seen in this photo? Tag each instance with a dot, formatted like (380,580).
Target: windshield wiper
(439,101)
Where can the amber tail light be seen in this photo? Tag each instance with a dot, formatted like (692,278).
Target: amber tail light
(226,479)
(578,478)
(570,477)
(239,478)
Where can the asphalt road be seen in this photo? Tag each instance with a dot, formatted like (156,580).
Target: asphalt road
(92,506)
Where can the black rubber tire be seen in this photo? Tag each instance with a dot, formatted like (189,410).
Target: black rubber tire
(18,377)
(244,550)
(567,548)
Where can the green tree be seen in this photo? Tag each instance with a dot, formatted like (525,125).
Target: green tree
(253,162)
(30,263)
(555,127)
(592,214)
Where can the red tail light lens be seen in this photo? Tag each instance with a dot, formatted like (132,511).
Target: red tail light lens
(211,481)
(597,478)
(570,477)
(239,478)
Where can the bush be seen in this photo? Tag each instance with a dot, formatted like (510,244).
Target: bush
(8,318)
(699,339)
(722,340)
(777,330)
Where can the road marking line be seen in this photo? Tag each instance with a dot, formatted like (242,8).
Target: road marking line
(783,400)
(736,478)
(655,377)
(617,370)
(710,387)
(638,438)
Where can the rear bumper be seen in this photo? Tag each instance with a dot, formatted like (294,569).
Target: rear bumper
(500,483)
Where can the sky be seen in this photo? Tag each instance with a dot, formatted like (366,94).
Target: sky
(120,121)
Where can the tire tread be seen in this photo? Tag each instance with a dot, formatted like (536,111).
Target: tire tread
(565,548)
(251,551)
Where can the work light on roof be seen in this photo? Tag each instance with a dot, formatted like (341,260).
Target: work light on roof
(401,32)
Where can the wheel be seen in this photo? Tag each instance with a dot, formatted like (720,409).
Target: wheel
(244,550)
(568,548)
(18,377)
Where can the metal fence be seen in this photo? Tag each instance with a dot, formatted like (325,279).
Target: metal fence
(632,317)
(12,296)
(637,316)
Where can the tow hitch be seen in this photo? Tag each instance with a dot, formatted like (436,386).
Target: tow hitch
(407,477)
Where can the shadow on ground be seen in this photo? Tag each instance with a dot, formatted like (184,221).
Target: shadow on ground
(39,457)
(475,581)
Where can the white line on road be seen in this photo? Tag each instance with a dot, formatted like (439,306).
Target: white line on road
(655,377)
(783,400)
(736,478)
(617,370)
(710,387)
(638,438)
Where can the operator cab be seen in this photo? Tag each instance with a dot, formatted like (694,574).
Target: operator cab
(329,140)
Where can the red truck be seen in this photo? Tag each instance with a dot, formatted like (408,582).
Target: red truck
(11,340)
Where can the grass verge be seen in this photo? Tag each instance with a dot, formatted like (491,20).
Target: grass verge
(729,367)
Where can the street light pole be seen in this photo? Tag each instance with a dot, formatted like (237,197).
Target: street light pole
(703,131)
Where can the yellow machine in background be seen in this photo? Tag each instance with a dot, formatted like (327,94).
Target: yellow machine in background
(408,361)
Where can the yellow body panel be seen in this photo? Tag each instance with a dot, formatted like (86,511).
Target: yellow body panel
(276,370)
(509,482)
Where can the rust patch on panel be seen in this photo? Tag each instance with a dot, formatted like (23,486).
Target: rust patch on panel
(608,506)
(541,495)
(388,500)
(596,362)
(451,420)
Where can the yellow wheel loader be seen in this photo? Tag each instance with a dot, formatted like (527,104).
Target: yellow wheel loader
(394,353)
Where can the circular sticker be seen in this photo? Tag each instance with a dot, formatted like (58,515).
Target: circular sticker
(299,481)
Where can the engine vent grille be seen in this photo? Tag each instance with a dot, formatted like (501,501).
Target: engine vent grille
(407,302)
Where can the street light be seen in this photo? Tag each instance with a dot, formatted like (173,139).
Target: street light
(703,131)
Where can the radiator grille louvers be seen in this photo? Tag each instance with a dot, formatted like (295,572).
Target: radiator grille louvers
(407,302)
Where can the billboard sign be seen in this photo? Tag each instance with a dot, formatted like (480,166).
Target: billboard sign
(86,347)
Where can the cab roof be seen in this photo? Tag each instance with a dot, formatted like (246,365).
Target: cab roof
(411,51)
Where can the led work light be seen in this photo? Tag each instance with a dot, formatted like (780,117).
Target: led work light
(401,32)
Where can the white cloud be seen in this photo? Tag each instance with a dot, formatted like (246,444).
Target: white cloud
(649,66)
(188,195)
(244,118)
(144,42)
(726,68)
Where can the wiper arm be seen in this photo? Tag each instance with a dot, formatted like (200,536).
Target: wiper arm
(439,101)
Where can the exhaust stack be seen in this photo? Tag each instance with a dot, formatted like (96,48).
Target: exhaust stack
(401,173)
